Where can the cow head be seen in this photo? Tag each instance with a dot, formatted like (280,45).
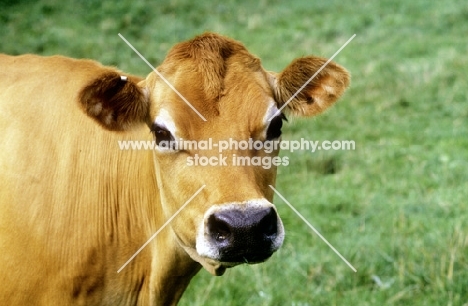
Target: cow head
(232,220)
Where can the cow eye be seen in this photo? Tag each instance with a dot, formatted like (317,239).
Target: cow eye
(162,134)
(274,129)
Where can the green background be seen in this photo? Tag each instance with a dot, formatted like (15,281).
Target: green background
(395,207)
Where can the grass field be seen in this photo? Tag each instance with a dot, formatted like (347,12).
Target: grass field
(396,207)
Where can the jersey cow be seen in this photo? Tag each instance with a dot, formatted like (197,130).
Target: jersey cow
(74,206)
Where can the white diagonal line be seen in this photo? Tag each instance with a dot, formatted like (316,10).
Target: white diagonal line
(311,78)
(313,228)
(162,77)
(161,228)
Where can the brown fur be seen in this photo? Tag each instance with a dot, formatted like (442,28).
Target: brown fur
(320,93)
(209,53)
(74,208)
(113,102)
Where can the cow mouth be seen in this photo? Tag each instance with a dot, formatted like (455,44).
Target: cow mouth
(213,266)
(233,258)
(218,266)
(229,259)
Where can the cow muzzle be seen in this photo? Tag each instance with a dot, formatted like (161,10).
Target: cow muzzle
(235,233)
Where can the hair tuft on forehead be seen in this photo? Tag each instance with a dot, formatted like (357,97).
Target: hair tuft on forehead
(210,53)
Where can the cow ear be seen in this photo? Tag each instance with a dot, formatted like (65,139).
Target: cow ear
(115,101)
(319,94)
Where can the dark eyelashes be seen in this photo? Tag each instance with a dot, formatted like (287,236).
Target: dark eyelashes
(161,134)
(274,129)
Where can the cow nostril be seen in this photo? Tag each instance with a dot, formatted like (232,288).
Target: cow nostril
(268,225)
(218,228)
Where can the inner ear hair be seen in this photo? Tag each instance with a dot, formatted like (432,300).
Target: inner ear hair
(320,93)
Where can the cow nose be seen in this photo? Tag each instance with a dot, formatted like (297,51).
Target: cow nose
(244,236)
